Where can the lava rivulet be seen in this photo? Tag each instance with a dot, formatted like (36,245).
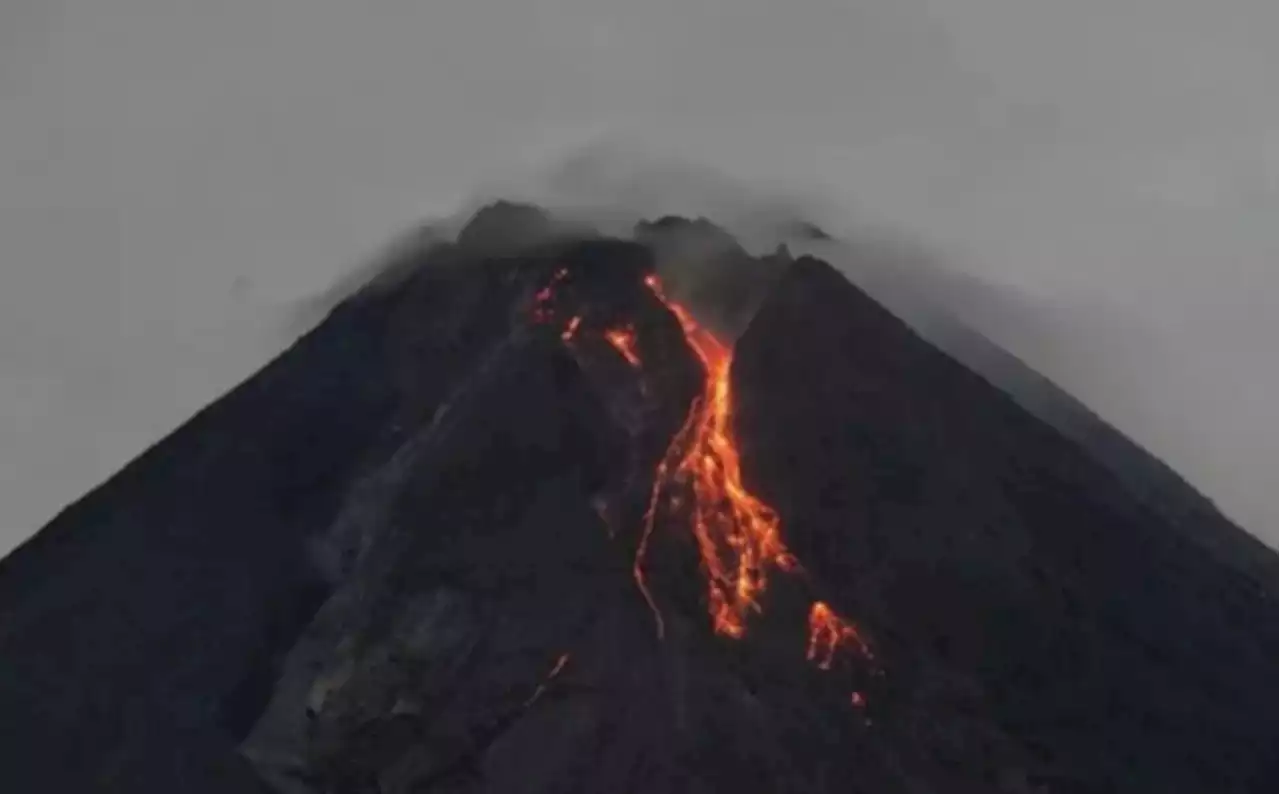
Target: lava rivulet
(556,669)
(828,633)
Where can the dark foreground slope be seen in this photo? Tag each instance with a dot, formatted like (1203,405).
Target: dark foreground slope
(928,297)
(1016,578)
(400,558)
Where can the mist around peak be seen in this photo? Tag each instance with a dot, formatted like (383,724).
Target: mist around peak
(720,241)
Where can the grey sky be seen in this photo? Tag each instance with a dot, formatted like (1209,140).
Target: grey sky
(175,175)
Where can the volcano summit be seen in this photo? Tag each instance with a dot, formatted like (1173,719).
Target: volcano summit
(540,510)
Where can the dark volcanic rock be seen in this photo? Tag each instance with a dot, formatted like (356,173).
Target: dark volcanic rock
(704,265)
(1007,573)
(400,558)
(126,623)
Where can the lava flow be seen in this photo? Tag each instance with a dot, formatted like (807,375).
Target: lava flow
(737,535)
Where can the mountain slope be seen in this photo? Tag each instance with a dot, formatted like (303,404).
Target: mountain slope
(1000,557)
(467,535)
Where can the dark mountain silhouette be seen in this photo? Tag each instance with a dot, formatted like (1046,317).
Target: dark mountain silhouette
(922,294)
(484,529)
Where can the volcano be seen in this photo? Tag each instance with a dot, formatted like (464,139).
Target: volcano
(544,510)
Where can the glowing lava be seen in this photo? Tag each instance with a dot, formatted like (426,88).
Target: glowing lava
(572,328)
(828,633)
(737,535)
(542,311)
(624,341)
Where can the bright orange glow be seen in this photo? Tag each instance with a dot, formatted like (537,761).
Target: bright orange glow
(624,341)
(828,633)
(737,535)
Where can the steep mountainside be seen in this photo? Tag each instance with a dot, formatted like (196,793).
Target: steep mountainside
(545,511)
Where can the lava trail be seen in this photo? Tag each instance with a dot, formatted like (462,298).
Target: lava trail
(738,536)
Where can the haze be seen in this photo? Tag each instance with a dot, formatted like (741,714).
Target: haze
(176,178)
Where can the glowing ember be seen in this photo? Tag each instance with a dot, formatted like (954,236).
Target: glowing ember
(571,329)
(828,633)
(551,676)
(624,341)
(542,298)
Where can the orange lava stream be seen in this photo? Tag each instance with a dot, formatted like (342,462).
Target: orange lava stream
(737,534)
